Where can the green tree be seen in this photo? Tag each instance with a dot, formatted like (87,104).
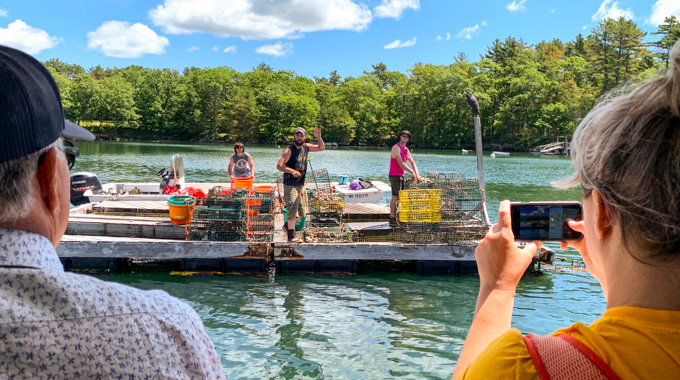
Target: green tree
(670,32)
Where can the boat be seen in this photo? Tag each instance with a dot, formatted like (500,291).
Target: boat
(150,191)
(371,195)
(543,154)
(499,154)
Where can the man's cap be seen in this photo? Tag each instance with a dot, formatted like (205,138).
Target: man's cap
(404,132)
(31,115)
(74,131)
(300,129)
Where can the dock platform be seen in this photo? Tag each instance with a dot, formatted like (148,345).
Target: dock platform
(113,239)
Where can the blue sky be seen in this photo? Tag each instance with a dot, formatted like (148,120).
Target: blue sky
(310,37)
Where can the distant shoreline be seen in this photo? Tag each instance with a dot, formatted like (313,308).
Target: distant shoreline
(487,147)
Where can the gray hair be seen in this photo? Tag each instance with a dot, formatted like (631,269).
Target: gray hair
(628,148)
(16,189)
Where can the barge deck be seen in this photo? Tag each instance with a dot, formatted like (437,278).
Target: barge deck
(123,233)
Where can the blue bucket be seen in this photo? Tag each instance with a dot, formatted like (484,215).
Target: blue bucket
(342,180)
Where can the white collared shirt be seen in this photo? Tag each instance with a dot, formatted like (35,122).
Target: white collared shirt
(58,325)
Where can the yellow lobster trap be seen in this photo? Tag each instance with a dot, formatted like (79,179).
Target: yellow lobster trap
(420,206)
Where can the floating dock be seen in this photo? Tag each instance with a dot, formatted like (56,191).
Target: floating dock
(122,234)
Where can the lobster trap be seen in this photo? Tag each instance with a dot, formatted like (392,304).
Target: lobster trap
(326,211)
(327,235)
(458,202)
(443,208)
(234,215)
(319,182)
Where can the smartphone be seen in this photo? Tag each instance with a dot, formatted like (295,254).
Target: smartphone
(545,221)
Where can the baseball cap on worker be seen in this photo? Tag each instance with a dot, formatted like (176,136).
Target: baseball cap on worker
(31,115)
(300,129)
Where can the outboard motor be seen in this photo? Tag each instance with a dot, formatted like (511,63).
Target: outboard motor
(173,177)
(166,178)
(80,183)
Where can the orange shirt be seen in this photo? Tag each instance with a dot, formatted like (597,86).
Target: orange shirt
(636,343)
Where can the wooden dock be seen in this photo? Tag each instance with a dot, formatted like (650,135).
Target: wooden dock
(111,240)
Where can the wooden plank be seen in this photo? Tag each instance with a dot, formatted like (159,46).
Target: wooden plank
(366,208)
(85,217)
(111,247)
(123,228)
(363,226)
(132,205)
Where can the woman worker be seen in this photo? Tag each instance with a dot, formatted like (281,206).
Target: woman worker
(626,156)
(241,163)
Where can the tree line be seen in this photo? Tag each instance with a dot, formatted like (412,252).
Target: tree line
(528,94)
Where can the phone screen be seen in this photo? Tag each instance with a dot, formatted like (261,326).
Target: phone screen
(547,221)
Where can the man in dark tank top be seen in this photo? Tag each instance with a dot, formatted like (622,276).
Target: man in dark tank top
(293,164)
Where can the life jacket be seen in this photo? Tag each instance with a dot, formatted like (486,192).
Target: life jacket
(563,357)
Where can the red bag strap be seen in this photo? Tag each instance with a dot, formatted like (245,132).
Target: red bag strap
(564,357)
(533,351)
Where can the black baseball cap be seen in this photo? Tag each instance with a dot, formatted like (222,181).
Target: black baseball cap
(31,114)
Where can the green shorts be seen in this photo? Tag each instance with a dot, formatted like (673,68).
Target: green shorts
(294,201)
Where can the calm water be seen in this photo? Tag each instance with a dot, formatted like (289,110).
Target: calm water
(369,326)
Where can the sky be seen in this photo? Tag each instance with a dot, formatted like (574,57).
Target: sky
(310,37)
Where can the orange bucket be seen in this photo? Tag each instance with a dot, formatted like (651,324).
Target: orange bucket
(180,209)
(242,182)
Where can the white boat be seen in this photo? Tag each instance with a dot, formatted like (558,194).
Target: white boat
(499,154)
(149,191)
(466,151)
(132,191)
(370,195)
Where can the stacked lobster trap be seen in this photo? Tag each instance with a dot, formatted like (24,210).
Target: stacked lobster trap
(234,215)
(325,216)
(442,208)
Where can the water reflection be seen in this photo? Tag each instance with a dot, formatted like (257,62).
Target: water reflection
(357,327)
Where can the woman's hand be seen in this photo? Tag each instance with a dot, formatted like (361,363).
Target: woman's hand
(580,245)
(500,262)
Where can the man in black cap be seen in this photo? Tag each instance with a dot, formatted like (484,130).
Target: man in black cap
(398,159)
(293,164)
(65,325)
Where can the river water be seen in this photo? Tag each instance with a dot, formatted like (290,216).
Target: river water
(367,326)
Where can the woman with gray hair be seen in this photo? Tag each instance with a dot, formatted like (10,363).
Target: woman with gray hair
(626,156)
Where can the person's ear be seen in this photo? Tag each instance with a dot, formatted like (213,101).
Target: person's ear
(47,176)
(603,220)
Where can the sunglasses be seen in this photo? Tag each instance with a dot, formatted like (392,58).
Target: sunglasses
(71,153)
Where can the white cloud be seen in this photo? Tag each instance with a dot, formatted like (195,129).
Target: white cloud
(259,19)
(610,9)
(394,8)
(278,49)
(662,9)
(3,13)
(398,44)
(552,11)
(439,38)
(193,48)
(231,49)
(448,36)
(469,32)
(26,38)
(215,48)
(483,22)
(516,6)
(584,27)
(122,40)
